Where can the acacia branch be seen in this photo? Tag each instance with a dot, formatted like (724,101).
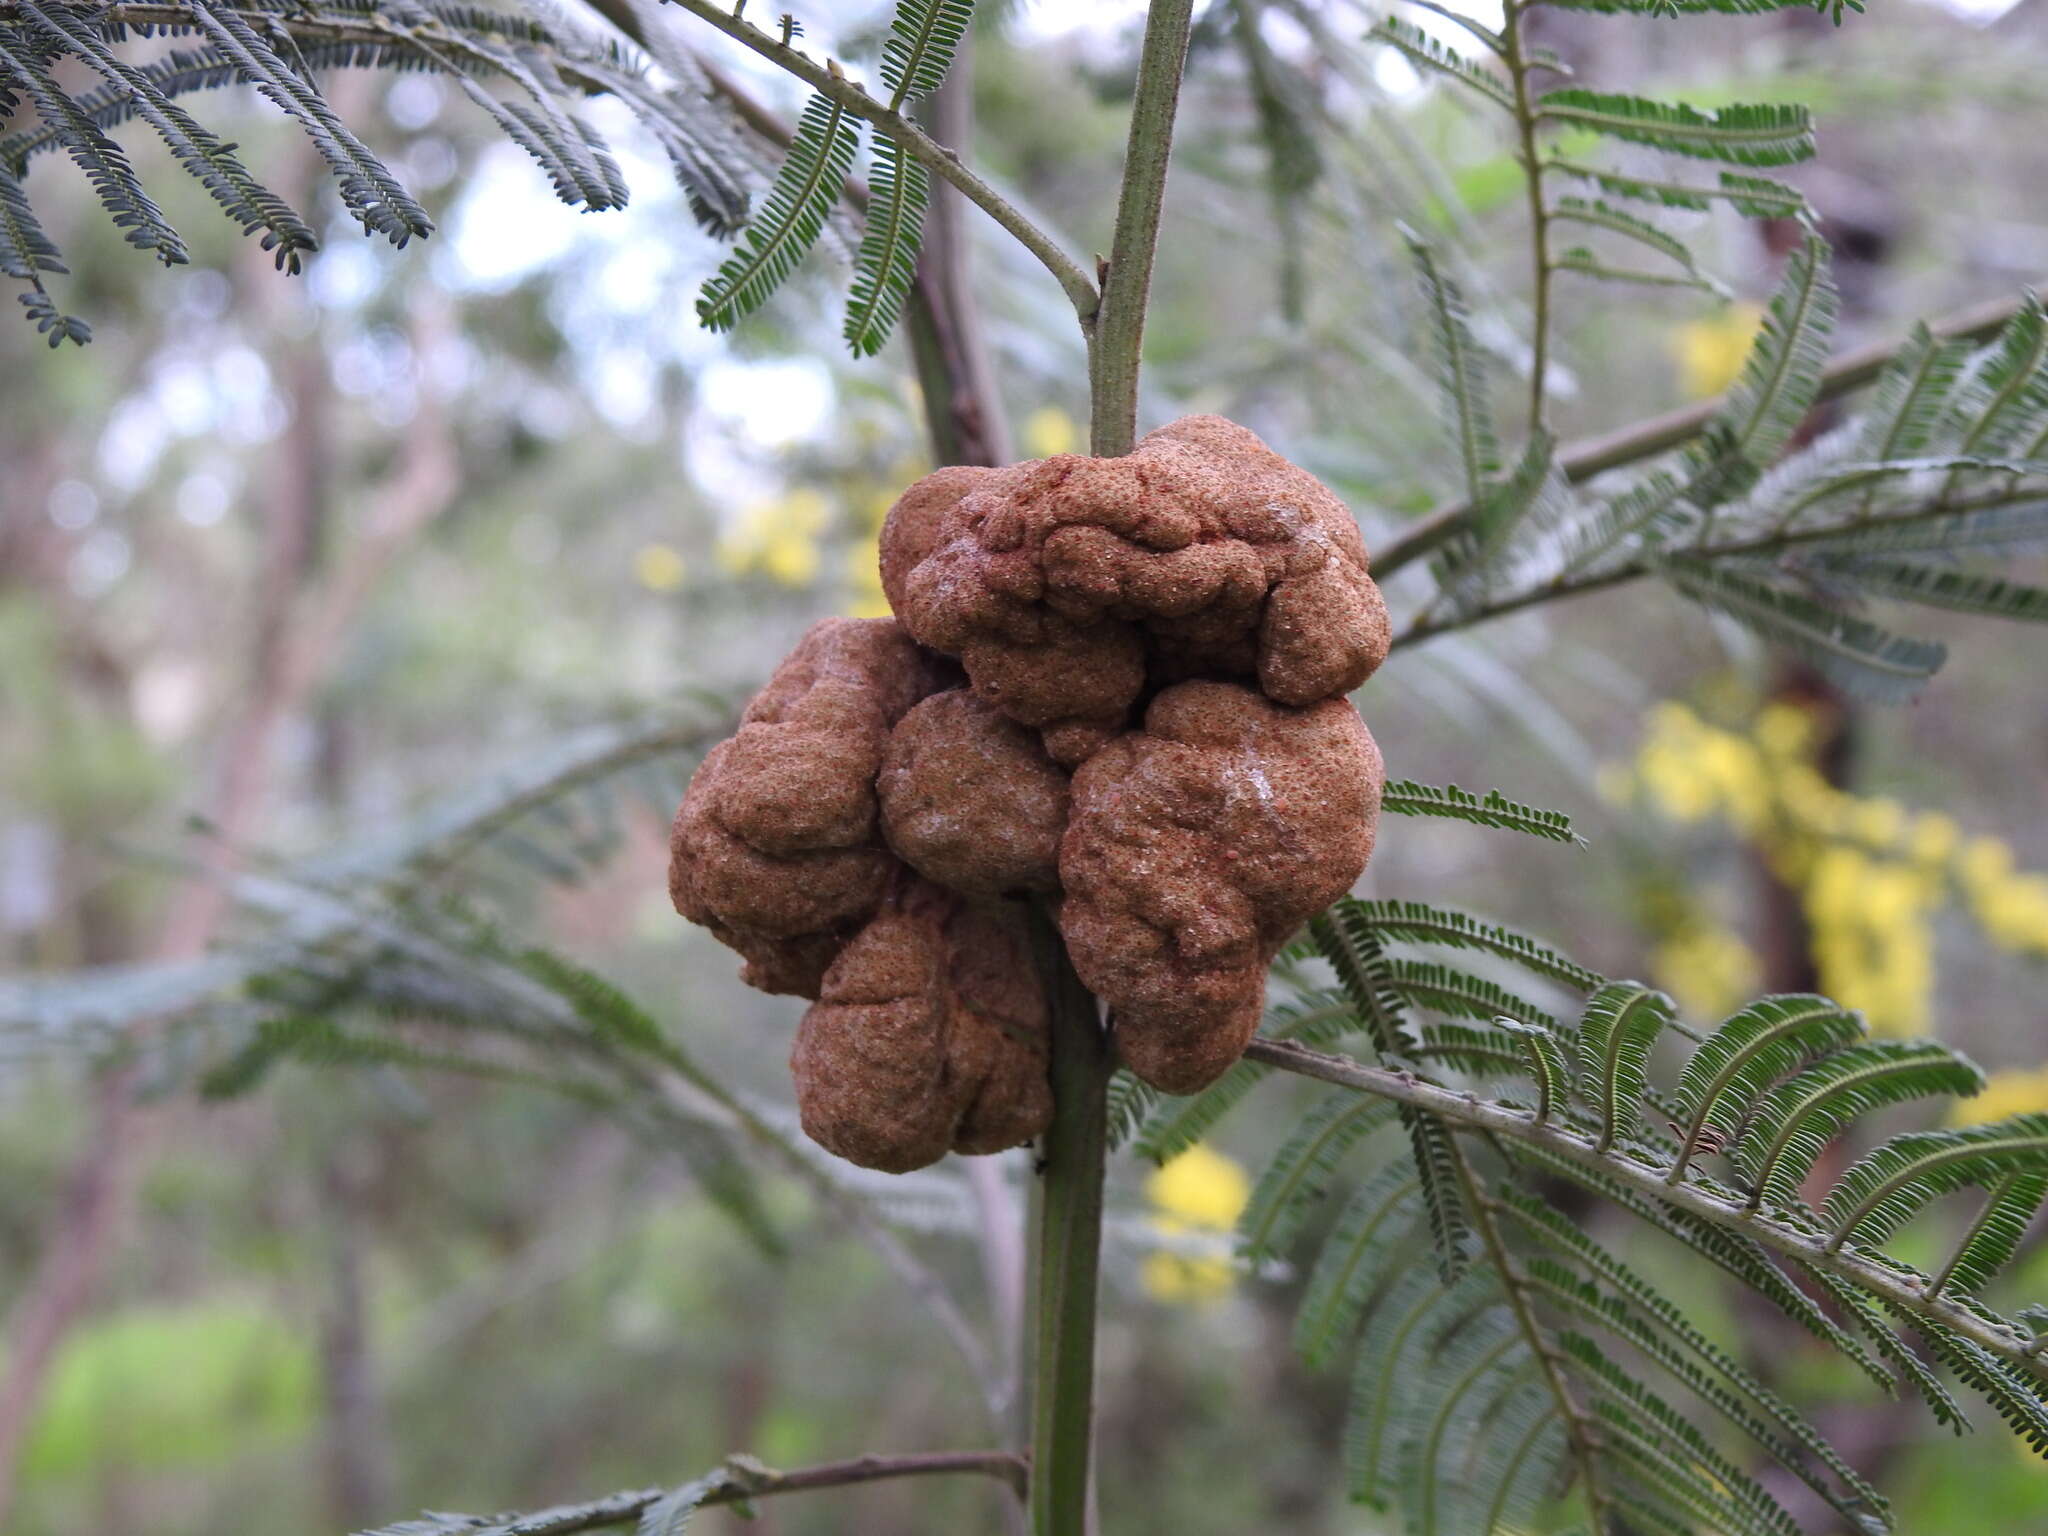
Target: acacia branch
(1754,546)
(836,87)
(741,1482)
(1582,460)
(1908,1293)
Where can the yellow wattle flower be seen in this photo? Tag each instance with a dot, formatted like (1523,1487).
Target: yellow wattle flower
(1201,1188)
(1872,873)
(659,567)
(1199,1192)
(1710,352)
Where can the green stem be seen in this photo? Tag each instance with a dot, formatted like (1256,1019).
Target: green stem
(1127,281)
(1069,1247)
(1539,212)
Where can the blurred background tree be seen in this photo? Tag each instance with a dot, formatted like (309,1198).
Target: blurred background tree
(283,561)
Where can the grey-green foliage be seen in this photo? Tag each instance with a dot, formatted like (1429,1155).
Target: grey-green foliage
(1949,459)
(1491,1387)
(530,70)
(373,958)
(1483,1391)
(1906,504)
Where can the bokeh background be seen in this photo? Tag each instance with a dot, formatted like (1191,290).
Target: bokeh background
(282,561)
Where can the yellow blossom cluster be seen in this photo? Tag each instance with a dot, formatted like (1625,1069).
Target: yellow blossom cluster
(659,567)
(1708,970)
(1200,1193)
(778,539)
(1872,874)
(1710,352)
(864,558)
(784,538)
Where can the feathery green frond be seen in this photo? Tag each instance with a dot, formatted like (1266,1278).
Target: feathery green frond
(1798,1118)
(886,263)
(1643,516)
(26,254)
(1779,380)
(1300,1173)
(1665,1337)
(613,1509)
(1286,100)
(1647,1421)
(791,219)
(1454,993)
(1762,134)
(1891,1185)
(1131,1101)
(1791,502)
(1353,949)
(1617,1031)
(1751,1050)
(1415,922)
(1467,1048)
(368,189)
(1430,56)
(1460,370)
(1994,1238)
(1738,1255)
(1443,1201)
(1857,655)
(1390,1350)
(2007,523)
(1362,1249)
(923,37)
(1595,214)
(1904,408)
(1663,1331)
(1471,1377)
(1364,973)
(1942,586)
(1405,797)
(132,210)
(670,1514)
(1511,525)
(199,152)
(2001,401)
(1545,1060)
(317,1040)
(2015,1399)
(1581,260)
(1871,1320)
(1756,197)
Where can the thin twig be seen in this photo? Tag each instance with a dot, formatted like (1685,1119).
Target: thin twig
(1539,212)
(743,1483)
(1580,1428)
(1773,541)
(1905,1291)
(829,82)
(1583,460)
